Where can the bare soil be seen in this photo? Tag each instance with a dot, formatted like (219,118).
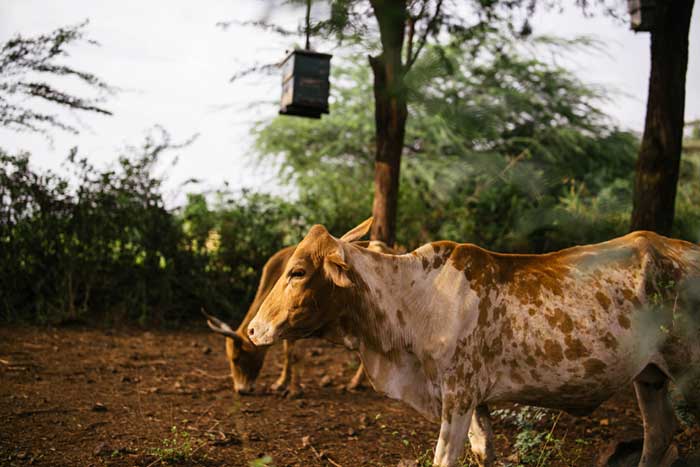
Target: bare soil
(86,397)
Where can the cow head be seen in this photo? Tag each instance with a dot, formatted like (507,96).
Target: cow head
(245,359)
(309,294)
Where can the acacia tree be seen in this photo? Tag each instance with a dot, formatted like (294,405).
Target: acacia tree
(658,163)
(394,33)
(402,28)
(27,66)
(659,159)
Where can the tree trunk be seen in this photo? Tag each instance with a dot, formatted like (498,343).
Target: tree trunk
(390,116)
(660,152)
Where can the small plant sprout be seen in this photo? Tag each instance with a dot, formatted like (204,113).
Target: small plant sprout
(265,461)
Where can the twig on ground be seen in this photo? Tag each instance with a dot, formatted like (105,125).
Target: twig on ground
(306,441)
(541,457)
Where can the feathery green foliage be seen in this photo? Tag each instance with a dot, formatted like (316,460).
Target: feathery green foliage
(502,149)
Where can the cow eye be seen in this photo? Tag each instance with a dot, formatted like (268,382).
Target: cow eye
(297,273)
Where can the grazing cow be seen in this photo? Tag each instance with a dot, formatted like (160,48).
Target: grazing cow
(451,326)
(245,359)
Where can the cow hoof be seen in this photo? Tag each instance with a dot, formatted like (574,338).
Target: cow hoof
(355,387)
(293,393)
(279,386)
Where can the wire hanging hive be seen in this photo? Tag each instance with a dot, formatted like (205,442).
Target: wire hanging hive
(305,79)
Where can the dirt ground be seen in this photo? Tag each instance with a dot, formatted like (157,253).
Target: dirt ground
(86,397)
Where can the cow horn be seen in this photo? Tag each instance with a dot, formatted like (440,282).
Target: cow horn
(216,325)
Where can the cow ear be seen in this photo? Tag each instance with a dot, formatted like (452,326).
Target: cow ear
(337,270)
(358,232)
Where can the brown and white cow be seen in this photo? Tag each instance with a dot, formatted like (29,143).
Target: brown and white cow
(450,326)
(245,359)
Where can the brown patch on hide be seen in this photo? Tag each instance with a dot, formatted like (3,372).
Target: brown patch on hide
(561,320)
(603,300)
(630,296)
(575,349)
(484,306)
(443,250)
(492,350)
(507,330)
(594,367)
(477,264)
(609,340)
(461,352)
(553,352)
(499,311)
(476,364)
(538,352)
(624,321)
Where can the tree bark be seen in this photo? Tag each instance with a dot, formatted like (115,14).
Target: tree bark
(660,152)
(390,116)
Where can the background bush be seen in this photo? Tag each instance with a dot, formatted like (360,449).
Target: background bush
(107,250)
(503,150)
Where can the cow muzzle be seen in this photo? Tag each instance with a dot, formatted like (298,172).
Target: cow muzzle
(244,389)
(261,333)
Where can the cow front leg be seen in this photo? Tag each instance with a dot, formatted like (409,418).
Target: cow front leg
(481,437)
(651,387)
(232,367)
(288,381)
(358,379)
(453,433)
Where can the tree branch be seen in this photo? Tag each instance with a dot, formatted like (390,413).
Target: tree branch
(22,59)
(409,41)
(424,37)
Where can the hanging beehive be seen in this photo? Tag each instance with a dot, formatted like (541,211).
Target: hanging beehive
(305,84)
(305,79)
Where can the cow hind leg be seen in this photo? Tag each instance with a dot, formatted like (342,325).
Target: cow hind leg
(453,433)
(651,387)
(481,437)
(358,379)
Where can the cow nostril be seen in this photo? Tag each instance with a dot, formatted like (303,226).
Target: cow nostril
(251,331)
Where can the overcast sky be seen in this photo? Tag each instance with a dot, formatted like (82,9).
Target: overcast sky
(173,64)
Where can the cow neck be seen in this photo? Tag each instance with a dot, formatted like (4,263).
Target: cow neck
(387,319)
(386,306)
